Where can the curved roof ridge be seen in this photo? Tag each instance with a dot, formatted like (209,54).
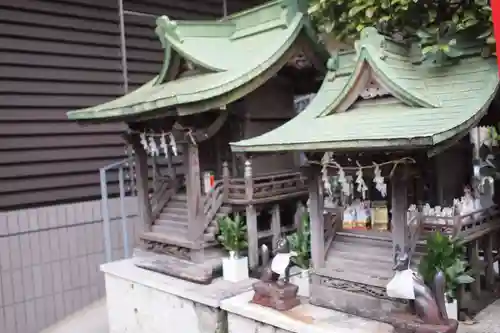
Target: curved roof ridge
(172,34)
(231,62)
(465,92)
(371,55)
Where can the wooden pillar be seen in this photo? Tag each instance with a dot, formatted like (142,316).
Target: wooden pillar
(193,188)
(251,218)
(141,166)
(399,225)
(299,210)
(275,225)
(474,260)
(171,168)
(488,256)
(225,179)
(317,227)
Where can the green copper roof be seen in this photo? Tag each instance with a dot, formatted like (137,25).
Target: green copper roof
(233,56)
(426,105)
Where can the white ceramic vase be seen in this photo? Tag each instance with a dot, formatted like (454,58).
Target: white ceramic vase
(300,278)
(234,268)
(451,308)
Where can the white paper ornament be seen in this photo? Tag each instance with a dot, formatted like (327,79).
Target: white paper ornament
(362,188)
(163,144)
(144,142)
(344,183)
(173,144)
(153,148)
(324,173)
(378,179)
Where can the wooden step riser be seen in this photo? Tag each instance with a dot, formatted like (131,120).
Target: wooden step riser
(169,229)
(177,204)
(173,217)
(175,210)
(176,239)
(359,255)
(366,242)
(361,249)
(173,224)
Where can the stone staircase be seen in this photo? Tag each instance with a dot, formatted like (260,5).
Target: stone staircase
(171,226)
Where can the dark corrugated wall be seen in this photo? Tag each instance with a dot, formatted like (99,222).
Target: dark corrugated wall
(58,55)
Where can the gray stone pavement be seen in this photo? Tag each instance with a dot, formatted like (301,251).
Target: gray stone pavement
(487,321)
(92,319)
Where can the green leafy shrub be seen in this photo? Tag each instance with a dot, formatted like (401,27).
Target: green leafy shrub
(300,242)
(233,234)
(446,255)
(440,26)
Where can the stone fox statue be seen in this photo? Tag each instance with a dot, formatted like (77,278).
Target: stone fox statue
(267,273)
(429,304)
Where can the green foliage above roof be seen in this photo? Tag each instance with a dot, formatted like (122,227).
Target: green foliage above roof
(423,107)
(231,57)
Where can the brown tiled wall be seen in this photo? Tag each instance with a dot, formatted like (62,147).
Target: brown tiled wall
(50,258)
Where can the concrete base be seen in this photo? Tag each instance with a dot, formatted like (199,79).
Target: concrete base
(245,317)
(142,301)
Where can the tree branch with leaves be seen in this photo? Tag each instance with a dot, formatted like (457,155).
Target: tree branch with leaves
(443,27)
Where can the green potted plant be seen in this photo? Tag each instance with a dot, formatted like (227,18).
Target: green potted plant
(233,237)
(300,243)
(446,255)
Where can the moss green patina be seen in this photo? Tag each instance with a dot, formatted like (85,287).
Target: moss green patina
(427,106)
(233,57)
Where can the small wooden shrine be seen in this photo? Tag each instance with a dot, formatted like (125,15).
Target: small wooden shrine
(221,81)
(396,137)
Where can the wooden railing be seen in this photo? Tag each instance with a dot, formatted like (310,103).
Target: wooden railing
(479,232)
(332,223)
(211,204)
(265,188)
(467,227)
(164,190)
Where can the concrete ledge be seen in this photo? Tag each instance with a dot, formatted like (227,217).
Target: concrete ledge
(143,301)
(246,317)
(209,295)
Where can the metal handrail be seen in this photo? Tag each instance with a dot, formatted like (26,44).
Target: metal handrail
(120,165)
